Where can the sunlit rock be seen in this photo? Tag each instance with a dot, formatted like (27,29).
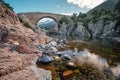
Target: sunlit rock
(71,65)
(57,58)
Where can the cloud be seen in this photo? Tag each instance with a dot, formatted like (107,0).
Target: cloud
(67,14)
(86,3)
(58,6)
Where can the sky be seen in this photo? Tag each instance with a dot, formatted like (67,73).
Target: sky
(54,6)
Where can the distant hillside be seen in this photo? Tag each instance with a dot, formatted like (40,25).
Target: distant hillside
(107,5)
(47,24)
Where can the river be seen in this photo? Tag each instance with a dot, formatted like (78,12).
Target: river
(97,53)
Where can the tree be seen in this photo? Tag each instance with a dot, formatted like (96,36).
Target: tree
(82,15)
(117,8)
(74,17)
(65,20)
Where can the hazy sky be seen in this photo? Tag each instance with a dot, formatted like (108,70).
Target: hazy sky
(54,6)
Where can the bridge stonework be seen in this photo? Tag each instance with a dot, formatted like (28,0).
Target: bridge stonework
(33,17)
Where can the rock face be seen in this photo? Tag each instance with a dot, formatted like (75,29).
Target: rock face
(5,14)
(18,51)
(17,32)
(80,32)
(100,29)
(14,66)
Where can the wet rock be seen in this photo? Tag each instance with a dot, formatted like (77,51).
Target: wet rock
(53,49)
(69,52)
(71,65)
(59,53)
(68,74)
(57,58)
(66,57)
(45,59)
(53,43)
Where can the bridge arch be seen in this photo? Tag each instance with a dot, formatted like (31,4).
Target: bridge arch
(33,17)
(47,17)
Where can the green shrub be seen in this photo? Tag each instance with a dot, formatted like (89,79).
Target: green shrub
(27,25)
(6,4)
(65,20)
(117,8)
(20,20)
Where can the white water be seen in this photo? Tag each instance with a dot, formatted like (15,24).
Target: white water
(116,70)
(87,57)
(96,61)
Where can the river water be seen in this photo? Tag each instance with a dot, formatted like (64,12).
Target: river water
(99,53)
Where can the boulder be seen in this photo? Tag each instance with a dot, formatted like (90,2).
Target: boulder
(66,57)
(53,49)
(45,59)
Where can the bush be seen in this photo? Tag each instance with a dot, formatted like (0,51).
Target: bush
(65,20)
(20,20)
(117,8)
(7,5)
(27,25)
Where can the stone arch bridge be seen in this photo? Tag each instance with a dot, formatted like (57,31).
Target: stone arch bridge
(33,17)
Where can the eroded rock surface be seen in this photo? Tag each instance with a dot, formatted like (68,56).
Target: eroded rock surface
(18,53)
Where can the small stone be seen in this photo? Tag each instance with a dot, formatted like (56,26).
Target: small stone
(57,58)
(67,73)
(71,65)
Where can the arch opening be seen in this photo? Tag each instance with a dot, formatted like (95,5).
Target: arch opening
(47,23)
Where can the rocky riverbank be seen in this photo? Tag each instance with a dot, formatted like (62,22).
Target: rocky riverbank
(18,51)
(70,64)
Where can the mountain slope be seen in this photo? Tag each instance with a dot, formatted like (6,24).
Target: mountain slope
(107,5)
